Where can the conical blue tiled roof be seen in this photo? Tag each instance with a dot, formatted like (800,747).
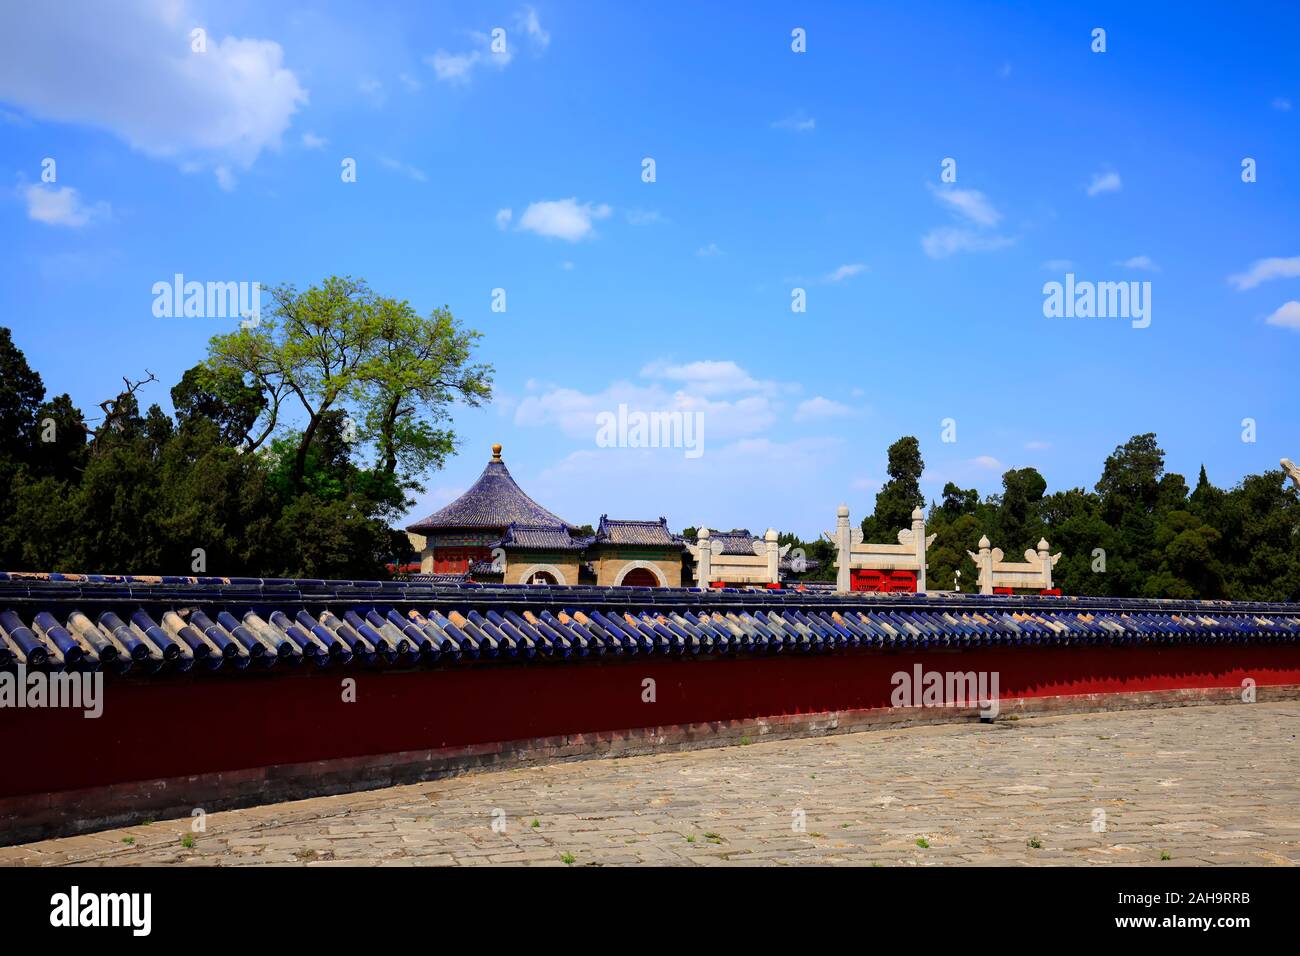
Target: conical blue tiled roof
(494,501)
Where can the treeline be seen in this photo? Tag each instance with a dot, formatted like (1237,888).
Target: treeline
(225,485)
(1141,531)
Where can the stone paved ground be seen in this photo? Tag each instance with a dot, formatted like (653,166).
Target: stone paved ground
(1197,785)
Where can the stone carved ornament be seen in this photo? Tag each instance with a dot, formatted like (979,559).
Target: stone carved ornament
(1292,470)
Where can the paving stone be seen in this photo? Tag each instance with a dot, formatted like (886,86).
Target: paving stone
(1208,786)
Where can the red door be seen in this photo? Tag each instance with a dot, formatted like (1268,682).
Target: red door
(640,578)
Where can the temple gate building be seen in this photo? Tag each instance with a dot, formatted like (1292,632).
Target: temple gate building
(539,554)
(496,534)
(636,554)
(464,532)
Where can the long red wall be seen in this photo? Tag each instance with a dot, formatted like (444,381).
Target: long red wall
(197,724)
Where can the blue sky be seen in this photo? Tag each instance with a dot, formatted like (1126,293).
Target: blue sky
(774,170)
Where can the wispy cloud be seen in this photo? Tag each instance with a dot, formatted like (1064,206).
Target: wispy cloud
(1263,270)
(1287,316)
(820,409)
(709,251)
(503,218)
(707,376)
(63,206)
(1107,182)
(645,217)
(312,141)
(1058,265)
(373,90)
(973,207)
(458,67)
(846,272)
(947,240)
(1282,103)
(734,403)
(798,122)
(969,204)
(406,169)
(526,20)
(563,218)
(1142,263)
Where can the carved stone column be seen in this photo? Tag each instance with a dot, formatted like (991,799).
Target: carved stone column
(844,546)
(773,557)
(919,542)
(704,559)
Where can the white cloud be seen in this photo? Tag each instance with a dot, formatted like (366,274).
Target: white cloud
(575,412)
(312,141)
(709,251)
(846,272)
(1104,183)
(987,462)
(406,169)
(733,402)
(1143,263)
(974,207)
(453,67)
(225,178)
(526,20)
(734,484)
(819,408)
(1282,103)
(970,204)
(411,83)
(707,376)
(796,123)
(1058,265)
(645,217)
(1262,270)
(127,67)
(457,68)
(1287,316)
(563,218)
(1037,445)
(373,90)
(62,206)
(946,240)
(503,218)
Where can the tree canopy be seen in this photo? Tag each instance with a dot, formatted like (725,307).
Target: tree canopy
(291,451)
(1139,532)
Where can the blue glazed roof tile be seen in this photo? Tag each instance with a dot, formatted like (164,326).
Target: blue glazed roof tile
(737,541)
(493,501)
(161,626)
(643,533)
(527,537)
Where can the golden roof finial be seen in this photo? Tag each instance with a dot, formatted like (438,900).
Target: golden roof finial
(496,452)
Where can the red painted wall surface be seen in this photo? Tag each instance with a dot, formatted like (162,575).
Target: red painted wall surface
(176,726)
